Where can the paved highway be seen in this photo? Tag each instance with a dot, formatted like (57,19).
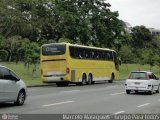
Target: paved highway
(107,98)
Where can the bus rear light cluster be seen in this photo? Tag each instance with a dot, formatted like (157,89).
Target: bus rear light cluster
(67,70)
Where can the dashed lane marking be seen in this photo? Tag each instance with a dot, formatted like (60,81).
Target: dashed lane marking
(119,112)
(71,91)
(143,105)
(48,105)
(118,93)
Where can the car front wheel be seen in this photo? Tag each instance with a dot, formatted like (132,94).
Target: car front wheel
(20,98)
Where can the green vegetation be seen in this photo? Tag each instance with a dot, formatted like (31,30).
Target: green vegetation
(26,75)
(125,69)
(26,25)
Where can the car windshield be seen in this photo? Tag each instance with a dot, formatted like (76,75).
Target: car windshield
(138,75)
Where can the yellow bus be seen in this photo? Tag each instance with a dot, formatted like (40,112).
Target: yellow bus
(64,63)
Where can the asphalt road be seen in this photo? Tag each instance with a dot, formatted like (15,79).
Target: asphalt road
(103,98)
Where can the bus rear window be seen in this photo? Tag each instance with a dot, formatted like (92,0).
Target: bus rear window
(53,49)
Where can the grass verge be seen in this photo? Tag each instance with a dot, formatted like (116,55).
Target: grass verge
(28,78)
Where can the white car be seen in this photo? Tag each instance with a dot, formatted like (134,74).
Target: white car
(12,88)
(142,81)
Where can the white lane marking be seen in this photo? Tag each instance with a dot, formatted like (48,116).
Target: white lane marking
(159,100)
(113,86)
(57,103)
(118,93)
(119,112)
(70,91)
(143,105)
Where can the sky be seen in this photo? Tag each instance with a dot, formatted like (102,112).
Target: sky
(138,12)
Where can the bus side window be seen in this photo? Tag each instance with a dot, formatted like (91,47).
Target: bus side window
(83,53)
(88,54)
(100,55)
(76,52)
(108,56)
(71,51)
(92,54)
(103,55)
(97,55)
(79,53)
(112,58)
(115,60)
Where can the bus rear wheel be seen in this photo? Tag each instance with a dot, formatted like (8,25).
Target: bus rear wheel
(90,79)
(84,79)
(112,78)
(60,84)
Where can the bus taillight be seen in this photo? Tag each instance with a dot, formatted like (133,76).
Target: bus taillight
(67,70)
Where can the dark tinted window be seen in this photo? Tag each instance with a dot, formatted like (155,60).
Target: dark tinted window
(109,55)
(7,74)
(90,53)
(53,49)
(74,52)
(152,76)
(115,60)
(138,75)
(1,73)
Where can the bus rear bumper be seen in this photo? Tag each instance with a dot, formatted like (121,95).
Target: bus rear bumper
(54,79)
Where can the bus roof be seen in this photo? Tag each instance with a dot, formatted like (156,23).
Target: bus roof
(81,46)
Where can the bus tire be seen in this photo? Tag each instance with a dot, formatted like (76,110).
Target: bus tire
(93,82)
(90,79)
(112,78)
(84,79)
(61,84)
(78,83)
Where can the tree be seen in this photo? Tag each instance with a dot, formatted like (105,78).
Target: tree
(85,21)
(141,37)
(148,57)
(126,55)
(89,21)
(10,45)
(3,55)
(32,56)
(155,43)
